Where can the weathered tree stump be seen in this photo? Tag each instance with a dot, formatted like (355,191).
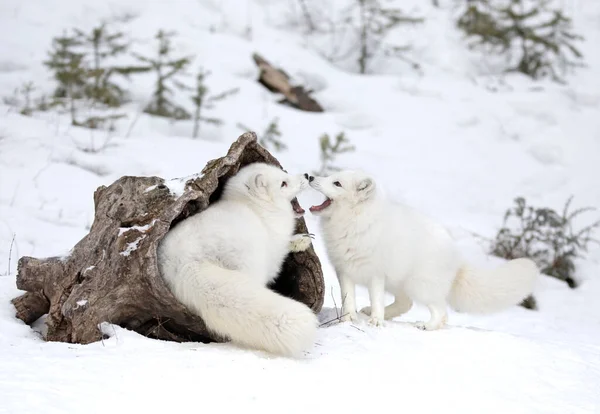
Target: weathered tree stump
(276,80)
(112,276)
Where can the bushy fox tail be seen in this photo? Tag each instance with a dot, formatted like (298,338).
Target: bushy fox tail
(488,291)
(235,306)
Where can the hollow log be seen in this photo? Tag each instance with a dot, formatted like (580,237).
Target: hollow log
(111,275)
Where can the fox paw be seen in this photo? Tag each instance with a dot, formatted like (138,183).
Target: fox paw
(349,317)
(300,242)
(428,326)
(375,322)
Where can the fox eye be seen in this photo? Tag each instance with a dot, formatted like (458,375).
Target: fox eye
(337,184)
(283,184)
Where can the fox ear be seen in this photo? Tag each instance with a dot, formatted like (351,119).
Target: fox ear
(365,188)
(259,181)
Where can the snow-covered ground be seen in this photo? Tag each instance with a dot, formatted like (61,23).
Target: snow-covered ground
(440,140)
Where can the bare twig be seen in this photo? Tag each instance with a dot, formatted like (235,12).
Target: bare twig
(12,242)
(14,197)
(356,327)
(477,235)
(132,124)
(338,318)
(307,16)
(335,304)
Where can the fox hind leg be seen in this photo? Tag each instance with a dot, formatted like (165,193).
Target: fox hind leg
(402,304)
(439,317)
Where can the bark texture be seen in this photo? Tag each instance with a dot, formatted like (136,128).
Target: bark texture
(276,80)
(112,276)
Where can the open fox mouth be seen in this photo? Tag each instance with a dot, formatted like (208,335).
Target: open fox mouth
(297,208)
(321,207)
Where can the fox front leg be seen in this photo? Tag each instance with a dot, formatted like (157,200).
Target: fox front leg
(300,242)
(377,296)
(348,291)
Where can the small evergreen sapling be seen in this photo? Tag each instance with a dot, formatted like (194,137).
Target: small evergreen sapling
(545,236)
(202,101)
(26,90)
(102,45)
(330,151)
(538,40)
(166,68)
(361,33)
(69,71)
(375,23)
(22,100)
(80,77)
(271,137)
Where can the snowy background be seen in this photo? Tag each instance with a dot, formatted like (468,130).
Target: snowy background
(450,139)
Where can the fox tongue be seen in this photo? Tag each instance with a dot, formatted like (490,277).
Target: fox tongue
(297,208)
(321,206)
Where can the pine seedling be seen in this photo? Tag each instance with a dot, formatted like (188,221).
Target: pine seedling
(271,137)
(102,45)
(375,24)
(536,39)
(203,102)
(69,71)
(22,99)
(167,69)
(42,103)
(545,236)
(330,152)
(26,90)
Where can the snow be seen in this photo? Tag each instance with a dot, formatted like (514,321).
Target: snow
(131,247)
(450,140)
(151,188)
(177,185)
(141,229)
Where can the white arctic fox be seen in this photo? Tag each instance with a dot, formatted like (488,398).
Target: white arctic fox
(390,247)
(218,262)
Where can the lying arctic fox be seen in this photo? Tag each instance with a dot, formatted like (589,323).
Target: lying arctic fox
(389,247)
(219,262)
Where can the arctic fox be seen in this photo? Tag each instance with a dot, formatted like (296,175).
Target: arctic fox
(219,262)
(389,247)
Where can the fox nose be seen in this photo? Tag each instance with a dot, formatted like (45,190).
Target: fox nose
(311,178)
(306,176)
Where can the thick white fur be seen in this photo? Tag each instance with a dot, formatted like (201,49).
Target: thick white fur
(219,262)
(387,246)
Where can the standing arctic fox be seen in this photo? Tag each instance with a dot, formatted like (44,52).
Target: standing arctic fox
(219,262)
(390,247)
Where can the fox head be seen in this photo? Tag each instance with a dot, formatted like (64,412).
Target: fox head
(344,189)
(268,186)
